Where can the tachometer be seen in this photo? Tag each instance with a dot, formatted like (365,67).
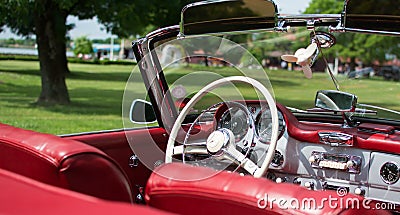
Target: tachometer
(264,125)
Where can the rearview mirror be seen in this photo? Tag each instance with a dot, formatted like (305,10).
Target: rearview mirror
(142,112)
(373,16)
(335,101)
(221,16)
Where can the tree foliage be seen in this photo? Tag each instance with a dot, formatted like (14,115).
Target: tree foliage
(46,19)
(325,7)
(367,48)
(82,45)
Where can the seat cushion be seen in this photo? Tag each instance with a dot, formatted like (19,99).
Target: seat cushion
(185,189)
(64,163)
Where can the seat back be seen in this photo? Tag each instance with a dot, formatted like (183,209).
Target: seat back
(172,187)
(64,163)
(21,195)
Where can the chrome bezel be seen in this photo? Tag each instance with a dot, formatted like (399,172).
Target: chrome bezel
(281,159)
(281,129)
(249,119)
(398,173)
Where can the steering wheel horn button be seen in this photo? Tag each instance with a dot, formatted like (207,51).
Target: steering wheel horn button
(217,141)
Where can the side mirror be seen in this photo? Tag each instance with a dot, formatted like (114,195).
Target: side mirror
(221,16)
(335,101)
(142,112)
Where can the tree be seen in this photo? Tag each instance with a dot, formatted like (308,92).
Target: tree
(352,45)
(325,7)
(46,19)
(82,45)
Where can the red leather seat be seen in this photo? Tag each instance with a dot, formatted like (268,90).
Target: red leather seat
(21,195)
(64,163)
(172,188)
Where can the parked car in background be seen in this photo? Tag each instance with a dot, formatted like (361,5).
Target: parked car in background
(362,73)
(390,73)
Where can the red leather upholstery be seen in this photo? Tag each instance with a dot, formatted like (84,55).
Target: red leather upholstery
(115,145)
(64,163)
(21,195)
(170,188)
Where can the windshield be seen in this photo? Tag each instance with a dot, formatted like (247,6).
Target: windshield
(190,64)
(362,64)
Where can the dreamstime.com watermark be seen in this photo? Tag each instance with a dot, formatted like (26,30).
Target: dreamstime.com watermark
(319,204)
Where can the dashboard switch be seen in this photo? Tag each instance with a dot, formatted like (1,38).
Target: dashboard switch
(312,159)
(280,180)
(359,191)
(297,181)
(352,163)
(309,185)
(133,161)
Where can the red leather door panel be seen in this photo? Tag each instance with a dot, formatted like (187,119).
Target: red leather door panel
(116,145)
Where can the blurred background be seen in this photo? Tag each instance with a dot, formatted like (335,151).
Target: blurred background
(64,64)
(91,38)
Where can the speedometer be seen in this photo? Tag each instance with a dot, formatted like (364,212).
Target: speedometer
(264,125)
(237,120)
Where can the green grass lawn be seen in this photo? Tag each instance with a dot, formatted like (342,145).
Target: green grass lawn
(95,90)
(96,94)
(291,88)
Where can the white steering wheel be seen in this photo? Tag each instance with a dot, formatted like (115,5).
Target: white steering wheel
(222,140)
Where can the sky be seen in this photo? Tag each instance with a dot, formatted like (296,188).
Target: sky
(93,30)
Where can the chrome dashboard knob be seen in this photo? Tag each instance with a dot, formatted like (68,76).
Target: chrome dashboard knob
(309,185)
(312,159)
(280,180)
(350,163)
(359,191)
(297,181)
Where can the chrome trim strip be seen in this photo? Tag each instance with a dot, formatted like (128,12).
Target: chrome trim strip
(371,31)
(105,131)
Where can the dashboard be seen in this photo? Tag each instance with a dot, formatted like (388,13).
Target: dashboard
(317,155)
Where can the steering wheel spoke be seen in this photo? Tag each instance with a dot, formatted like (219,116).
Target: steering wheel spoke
(240,159)
(233,154)
(191,149)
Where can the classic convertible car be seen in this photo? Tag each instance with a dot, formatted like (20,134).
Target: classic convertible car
(212,126)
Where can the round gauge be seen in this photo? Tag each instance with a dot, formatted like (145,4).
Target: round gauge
(390,173)
(264,125)
(278,159)
(237,120)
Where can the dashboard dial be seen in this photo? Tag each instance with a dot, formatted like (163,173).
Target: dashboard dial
(237,120)
(264,125)
(390,173)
